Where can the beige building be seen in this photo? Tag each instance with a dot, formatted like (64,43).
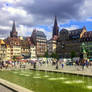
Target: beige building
(8,53)
(12,51)
(33,51)
(51,46)
(2,50)
(39,39)
(16,50)
(25,48)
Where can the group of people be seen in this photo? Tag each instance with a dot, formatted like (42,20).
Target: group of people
(83,63)
(53,62)
(6,64)
(10,64)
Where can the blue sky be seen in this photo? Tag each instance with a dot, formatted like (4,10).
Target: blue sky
(79,24)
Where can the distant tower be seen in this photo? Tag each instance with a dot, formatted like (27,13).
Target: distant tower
(55,28)
(13,33)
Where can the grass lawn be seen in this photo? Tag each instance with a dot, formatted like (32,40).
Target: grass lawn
(48,82)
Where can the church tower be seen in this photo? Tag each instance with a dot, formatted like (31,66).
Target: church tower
(13,33)
(55,28)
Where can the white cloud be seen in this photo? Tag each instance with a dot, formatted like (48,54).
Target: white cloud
(15,11)
(86,9)
(72,27)
(24,30)
(10,1)
(27,31)
(5,28)
(48,34)
(89,19)
(27,16)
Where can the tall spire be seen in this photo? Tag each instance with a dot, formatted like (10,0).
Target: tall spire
(55,22)
(13,33)
(14,27)
(55,28)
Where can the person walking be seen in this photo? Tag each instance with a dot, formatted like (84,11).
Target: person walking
(57,64)
(62,66)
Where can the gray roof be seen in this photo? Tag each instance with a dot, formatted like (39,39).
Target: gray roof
(76,31)
(40,34)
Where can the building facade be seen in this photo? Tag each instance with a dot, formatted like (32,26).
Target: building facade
(13,44)
(8,53)
(33,52)
(39,39)
(87,40)
(69,42)
(51,44)
(2,50)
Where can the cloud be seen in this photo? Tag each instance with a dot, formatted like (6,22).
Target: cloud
(89,19)
(46,10)
(30,13)
(72,27)
(27,31)
(85,10)
(15,11)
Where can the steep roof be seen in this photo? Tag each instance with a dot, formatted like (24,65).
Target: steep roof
(13,27)
(76,31)
(40,34)
(2,42)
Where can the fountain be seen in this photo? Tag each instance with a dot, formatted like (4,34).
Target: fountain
(37,80)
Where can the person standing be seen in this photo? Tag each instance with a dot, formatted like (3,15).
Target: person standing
(57,64)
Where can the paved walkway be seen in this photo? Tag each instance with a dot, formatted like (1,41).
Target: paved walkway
(13,86)
(67,69)
(4,89)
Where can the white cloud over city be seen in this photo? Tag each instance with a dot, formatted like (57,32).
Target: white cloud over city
(30,13)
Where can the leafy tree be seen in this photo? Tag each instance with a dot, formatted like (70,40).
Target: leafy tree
(55,55)
(46,54)
(14,58)
(73,54)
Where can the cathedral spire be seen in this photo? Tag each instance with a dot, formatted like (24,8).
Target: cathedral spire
(55,28)
(14,27)
(13,33)
(55,22)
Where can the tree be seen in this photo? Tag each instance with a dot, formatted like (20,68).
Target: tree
(73,54)
(46,54)
(55,55)
(14,58)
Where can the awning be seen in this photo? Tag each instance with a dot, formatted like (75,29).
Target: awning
(21,57)
(23,60)
(90,59)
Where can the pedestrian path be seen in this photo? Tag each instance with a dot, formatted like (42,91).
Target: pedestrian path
(13,86)
(76,70)
(5,89)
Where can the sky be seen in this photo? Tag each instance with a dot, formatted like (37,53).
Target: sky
(39,14)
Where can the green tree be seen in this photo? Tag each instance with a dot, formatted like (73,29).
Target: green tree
(55,55)
(14,58)
(46,54)
(73,54)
